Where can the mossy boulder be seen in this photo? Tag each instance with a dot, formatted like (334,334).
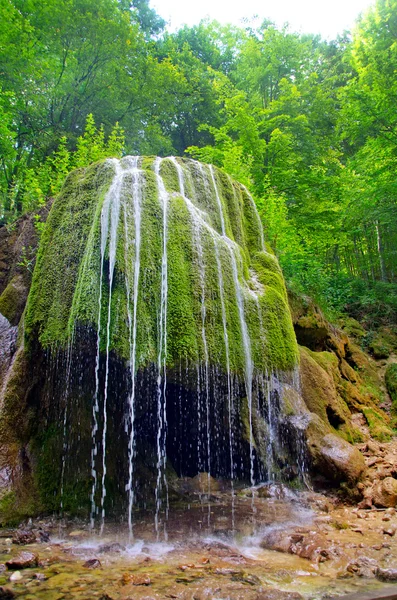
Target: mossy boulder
(391,383)
(13,299)
(320,385)
(327,455)
(382,342)
(150,280)
(67,285)
(333,457)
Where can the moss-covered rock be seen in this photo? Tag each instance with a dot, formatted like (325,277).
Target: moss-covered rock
(13,299)
(67,285)
(391,383)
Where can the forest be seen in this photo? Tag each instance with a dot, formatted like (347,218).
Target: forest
(309,126)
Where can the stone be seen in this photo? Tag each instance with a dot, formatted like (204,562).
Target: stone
(112,547)
(16,576)
(278,540)
(39,576)
(23,537)
(384,493)
(6,593)
(331,455)
(363,567)
(386,574)
(391,531)
(135,579)
(24,560)
(92,563)
(273,594)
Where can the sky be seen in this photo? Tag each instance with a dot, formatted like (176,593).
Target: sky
(326,17)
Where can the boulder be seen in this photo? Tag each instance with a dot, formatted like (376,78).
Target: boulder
(386,575)
(331,455)
(363,567)
(384,493)
(24,560)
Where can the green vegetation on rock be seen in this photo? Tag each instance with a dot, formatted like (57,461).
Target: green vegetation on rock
(67,284)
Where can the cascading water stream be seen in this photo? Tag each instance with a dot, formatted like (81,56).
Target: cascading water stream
(132,321)
(114,223)
(95,407)
(249,367)
(177,214)
(69,356)
(162,353)
(199,251)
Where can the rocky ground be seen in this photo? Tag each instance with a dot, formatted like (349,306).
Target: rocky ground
(285,546)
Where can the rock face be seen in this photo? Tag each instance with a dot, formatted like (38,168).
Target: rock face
(156,318)
(158,342)
(384,493)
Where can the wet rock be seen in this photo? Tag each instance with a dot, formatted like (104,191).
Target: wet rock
(312,547)
(6,593)
(339,459)
(278,540)
(8,340)
(44,536)
(363,567)
(227,571)
(273,594)
(386,574)
(16,576)
(112,547)
(384,493)
(244,578)
(24,560)
(309,545)
(23,537)
(93,563)
(135,579)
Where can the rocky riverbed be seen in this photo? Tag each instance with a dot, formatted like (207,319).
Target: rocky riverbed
(277,545)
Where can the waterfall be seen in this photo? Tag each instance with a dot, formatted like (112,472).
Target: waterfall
(249,367)
(162,353)
(132,321)
(171,308)
(95,409)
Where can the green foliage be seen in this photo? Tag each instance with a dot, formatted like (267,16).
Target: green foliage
(391,385)
(308,126)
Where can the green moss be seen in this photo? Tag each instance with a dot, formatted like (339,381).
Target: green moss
(391,384)
(377,423)
(13,510)
(66,285)
(13,299)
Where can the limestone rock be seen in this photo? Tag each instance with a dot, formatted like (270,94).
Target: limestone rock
(273,594)
(363,567)
(333,456)
(24,560)
(384,493)
(23,537)
(92,563)
(6,593)
(386,574)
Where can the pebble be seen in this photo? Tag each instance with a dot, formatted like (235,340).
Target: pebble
(16,576)
(386,574)
(93,563)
